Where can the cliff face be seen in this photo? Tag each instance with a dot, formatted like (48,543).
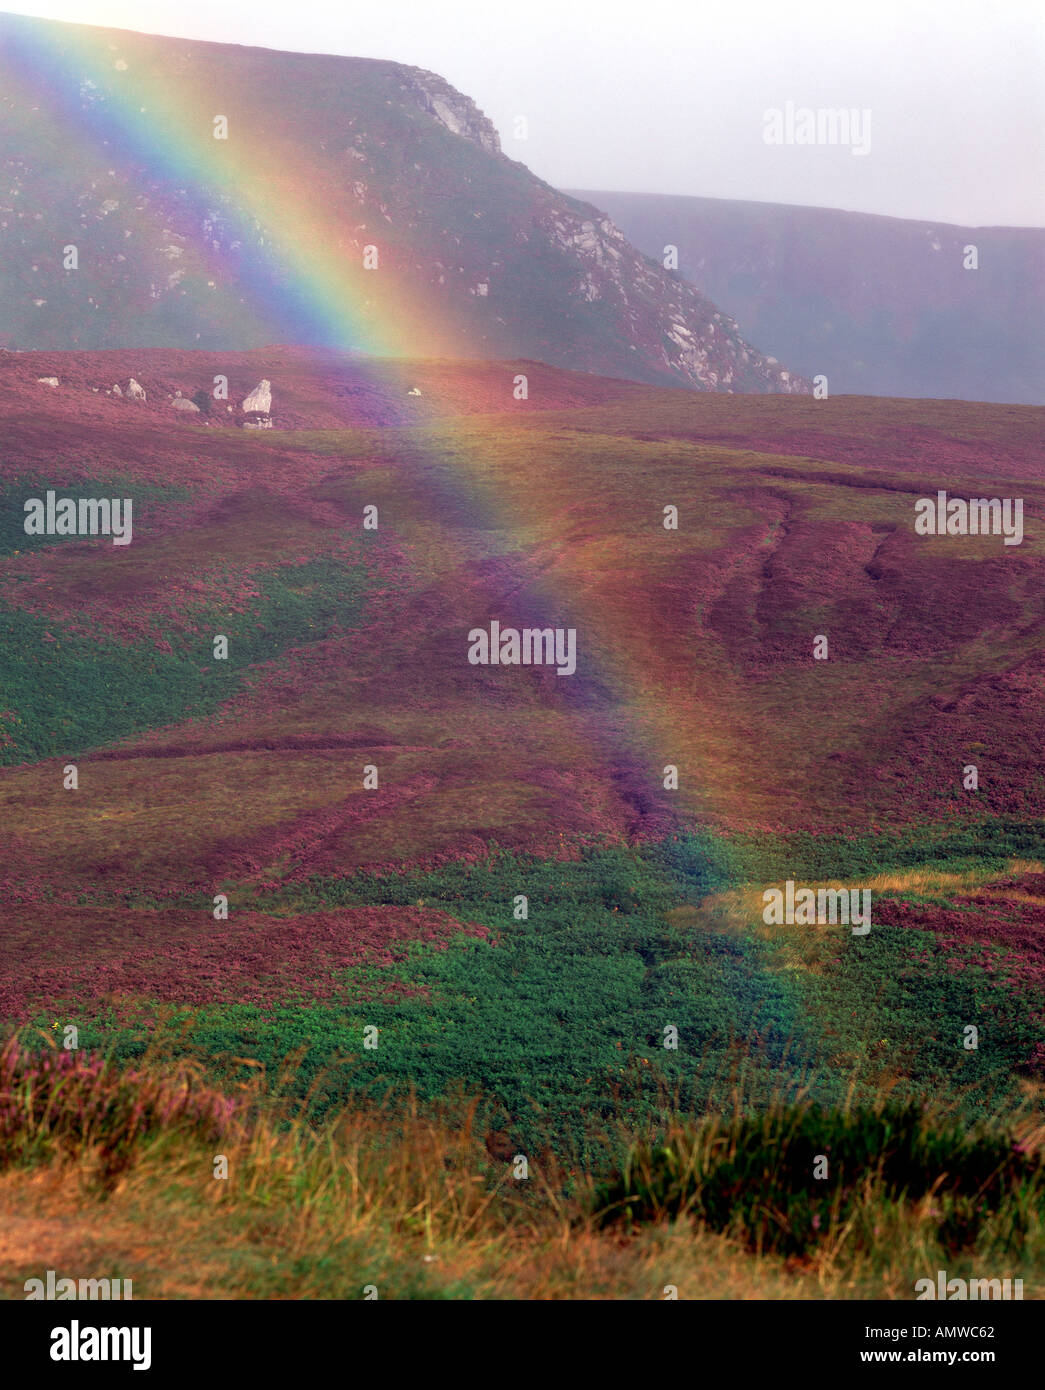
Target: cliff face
(185,241)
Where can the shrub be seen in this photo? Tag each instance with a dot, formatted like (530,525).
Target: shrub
(755,1176)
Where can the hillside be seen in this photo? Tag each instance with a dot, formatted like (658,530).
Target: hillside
(881,305)
(446,915)
(796,518)
(247,775)
(165,193)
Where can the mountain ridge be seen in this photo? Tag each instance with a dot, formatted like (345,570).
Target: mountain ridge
(188,241)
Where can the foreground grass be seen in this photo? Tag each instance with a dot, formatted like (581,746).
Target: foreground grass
(416,1203)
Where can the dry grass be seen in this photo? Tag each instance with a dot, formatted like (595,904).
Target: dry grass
(410,1204)
(739,911)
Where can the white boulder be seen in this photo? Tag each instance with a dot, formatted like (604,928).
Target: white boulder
(259,400)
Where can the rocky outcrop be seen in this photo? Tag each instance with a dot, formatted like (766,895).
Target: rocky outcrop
(669,322)
(187,407)
(47,380)
(451,108)
(135,391)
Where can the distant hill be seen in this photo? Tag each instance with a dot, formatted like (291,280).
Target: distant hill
(881,305)
(224,197)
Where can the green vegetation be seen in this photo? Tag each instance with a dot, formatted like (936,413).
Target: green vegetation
(972,845)
(70,692)
(558,1021)
(15,492)
(788,1179)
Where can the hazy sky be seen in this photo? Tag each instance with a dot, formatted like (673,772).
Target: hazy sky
(671,97)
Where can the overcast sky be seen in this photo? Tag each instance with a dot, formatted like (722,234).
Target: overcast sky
(671,97)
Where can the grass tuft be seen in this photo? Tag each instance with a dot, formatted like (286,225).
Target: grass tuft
(791,1179)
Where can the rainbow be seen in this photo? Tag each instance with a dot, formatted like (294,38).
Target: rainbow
(101,89)
(308,269)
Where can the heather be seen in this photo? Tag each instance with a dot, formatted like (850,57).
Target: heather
(61,1104)
(559,1020)
(374,810)
(153,503)
(258,961)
